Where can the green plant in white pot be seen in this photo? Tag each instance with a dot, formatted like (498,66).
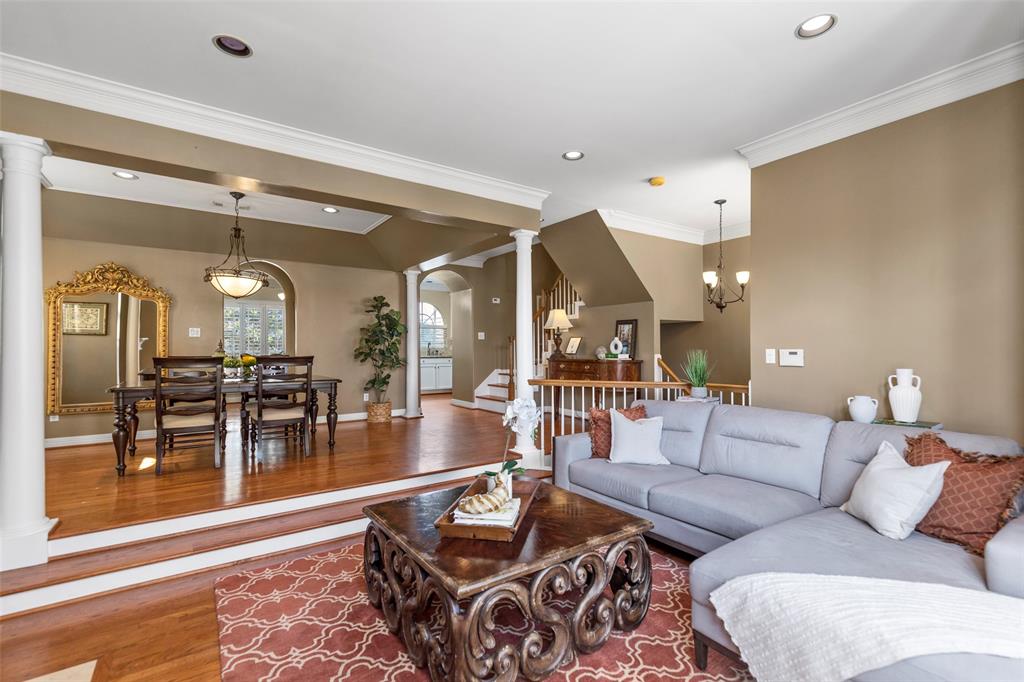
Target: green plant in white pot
(697,371)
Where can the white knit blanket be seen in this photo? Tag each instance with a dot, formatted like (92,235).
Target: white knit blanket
(793,627)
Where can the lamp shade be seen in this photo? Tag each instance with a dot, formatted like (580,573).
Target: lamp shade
(236,284)
(557,319)
(743,276)
(710,278)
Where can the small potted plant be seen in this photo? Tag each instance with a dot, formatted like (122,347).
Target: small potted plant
(697,372)
(380,345)
(248,362)
(232,365)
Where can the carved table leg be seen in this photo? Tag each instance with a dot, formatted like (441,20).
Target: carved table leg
(243,421)
(314,409)
(332,414)
(133,427)
(120,434)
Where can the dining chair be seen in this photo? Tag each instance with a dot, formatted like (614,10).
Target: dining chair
(190,409)
(283,414)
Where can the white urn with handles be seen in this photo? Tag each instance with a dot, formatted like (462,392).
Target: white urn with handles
(863,408)
(905,395)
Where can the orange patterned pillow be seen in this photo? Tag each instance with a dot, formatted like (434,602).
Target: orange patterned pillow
(977,493)
(601,428)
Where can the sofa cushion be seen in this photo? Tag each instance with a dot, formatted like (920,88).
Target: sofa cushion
(601,428)
(831,542)
(683,431)
(628,483)
(776,447)
(978,494)
(726,505)
(852,445)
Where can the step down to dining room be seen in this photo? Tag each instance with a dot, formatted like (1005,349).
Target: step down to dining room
(89,573)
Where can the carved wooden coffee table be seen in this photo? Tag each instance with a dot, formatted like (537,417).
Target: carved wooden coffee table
(440,595)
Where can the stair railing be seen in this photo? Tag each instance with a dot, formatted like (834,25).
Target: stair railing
(728,394)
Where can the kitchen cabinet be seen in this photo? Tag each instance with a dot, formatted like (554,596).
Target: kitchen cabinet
(435,374)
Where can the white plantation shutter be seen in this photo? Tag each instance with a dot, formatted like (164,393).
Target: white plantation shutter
(254,327)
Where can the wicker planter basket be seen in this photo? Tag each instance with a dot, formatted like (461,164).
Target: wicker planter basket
(378,413)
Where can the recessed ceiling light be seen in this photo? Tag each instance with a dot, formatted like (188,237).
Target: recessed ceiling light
(329,209)
(572,156)
(815,26)
(236,47)
(125,175)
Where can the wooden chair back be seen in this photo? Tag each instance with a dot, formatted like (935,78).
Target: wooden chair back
(187,386)
(271,370)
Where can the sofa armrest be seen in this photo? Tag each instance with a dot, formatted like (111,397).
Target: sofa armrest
(569,449)
(1004,559)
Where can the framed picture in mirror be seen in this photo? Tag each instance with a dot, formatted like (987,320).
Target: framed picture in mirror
(85,318)
(625,330)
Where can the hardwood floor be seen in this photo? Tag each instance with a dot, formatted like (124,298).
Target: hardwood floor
(85,493)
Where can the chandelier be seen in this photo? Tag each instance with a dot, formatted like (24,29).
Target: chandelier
(241,280)
(714,280)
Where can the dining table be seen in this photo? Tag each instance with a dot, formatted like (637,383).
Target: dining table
(128,395)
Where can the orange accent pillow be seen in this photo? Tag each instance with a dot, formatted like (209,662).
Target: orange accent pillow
(978,491)
(601,428)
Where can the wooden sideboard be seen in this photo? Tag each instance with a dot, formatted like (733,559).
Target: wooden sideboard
(595,370)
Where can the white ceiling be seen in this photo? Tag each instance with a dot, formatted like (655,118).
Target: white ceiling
(90,178)
(503,88)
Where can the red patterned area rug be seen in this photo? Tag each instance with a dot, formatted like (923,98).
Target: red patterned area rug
(309,619)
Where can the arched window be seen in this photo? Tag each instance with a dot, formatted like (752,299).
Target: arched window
(433,332)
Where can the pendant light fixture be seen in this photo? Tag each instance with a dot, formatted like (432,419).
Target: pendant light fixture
(714,280)
(241,280)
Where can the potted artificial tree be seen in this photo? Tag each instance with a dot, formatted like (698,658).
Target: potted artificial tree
(380,345)
(697,372)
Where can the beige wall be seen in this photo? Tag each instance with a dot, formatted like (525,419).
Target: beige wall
(668,270)
(726,335)
(596,326)
(898,247)
(329,312)
(462,345)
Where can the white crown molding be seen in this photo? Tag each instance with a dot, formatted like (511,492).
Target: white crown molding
(734,231)
(621,220)
(969,78)
(44,81)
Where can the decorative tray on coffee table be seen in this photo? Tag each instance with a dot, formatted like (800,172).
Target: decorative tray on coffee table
(523,488)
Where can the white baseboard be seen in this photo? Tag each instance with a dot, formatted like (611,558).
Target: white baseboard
(463,403)
(93,438)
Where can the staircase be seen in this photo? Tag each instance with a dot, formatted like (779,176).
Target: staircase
(562,294)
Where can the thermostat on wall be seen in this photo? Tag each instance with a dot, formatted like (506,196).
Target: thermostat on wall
(791,357)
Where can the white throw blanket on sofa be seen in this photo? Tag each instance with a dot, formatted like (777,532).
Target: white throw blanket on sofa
(793,627)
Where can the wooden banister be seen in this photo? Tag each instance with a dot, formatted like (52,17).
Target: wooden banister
(668,370)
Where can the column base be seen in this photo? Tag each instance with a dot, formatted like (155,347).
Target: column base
(530,457)
(26,549)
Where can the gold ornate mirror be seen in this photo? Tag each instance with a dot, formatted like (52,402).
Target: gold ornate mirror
(103,328)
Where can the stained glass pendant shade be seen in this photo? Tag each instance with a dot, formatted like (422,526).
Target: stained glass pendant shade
(242,279)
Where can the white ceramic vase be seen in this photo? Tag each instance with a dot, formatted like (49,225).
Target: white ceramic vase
(905,395)
(615,346)
(863,408)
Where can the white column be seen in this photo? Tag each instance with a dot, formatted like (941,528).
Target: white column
(531,456)
(412,344)
(24,526)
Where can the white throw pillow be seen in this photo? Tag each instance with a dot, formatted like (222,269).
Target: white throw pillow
(893,496)
(636,442)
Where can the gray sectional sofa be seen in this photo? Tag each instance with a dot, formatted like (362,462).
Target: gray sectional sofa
(755,490)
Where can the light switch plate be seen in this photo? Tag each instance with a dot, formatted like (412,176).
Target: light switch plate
(366,397)
(769,356)
(480,336)
(791,357)
(55,417)
(193,332)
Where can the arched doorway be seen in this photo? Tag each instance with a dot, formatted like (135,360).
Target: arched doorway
(446,336)
(264,323)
